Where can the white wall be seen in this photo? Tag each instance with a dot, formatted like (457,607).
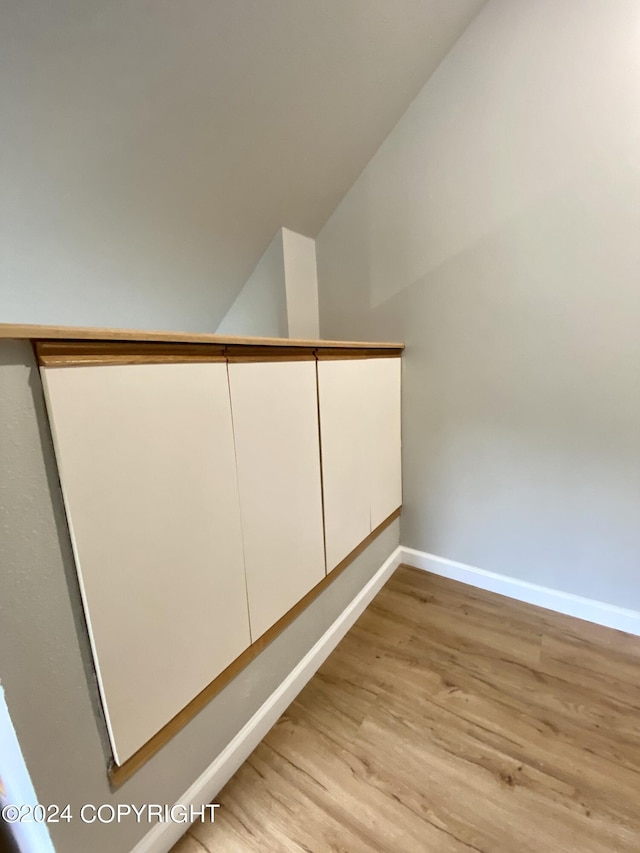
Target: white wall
(280,297)
(496,232)
(260,309)
(301,282)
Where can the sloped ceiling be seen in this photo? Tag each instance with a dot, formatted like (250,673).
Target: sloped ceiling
(156,146)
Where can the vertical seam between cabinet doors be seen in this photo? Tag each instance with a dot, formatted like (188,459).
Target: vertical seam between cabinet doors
(324,521)
(235,456)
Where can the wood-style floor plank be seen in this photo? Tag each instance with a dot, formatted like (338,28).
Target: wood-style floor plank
(448,719)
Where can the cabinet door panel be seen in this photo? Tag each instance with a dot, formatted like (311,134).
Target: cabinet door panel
(382,388)
(345,442)
(147,466)
(275,416)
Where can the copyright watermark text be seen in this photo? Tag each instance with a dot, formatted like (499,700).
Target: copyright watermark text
(108,813)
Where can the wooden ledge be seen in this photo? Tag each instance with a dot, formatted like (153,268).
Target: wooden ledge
(13,331)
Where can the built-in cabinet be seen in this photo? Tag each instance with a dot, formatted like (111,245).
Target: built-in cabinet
(275,417)
(205,500)
(147,464)
(360,434)
(343,427)
(384,462)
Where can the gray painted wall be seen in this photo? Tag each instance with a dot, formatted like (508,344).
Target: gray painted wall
(496,232)
(44,654)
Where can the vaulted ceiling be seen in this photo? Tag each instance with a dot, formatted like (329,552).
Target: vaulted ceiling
(158,145)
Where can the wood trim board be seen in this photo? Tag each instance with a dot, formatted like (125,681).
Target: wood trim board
(371,351)
(65,353)
(235,353)
(85,353)
(118,774)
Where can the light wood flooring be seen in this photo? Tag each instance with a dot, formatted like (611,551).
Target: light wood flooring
(448,720)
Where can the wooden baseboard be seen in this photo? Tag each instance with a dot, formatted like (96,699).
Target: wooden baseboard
(119,773)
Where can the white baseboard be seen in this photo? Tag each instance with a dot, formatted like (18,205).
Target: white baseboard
(553,599)
(163,836)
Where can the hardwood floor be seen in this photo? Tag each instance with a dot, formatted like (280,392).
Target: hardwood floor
(448,720)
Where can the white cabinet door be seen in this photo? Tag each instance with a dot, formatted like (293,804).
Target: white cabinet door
(345,451)
(360,439)
(275,416)
(147,465)
(384,464)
